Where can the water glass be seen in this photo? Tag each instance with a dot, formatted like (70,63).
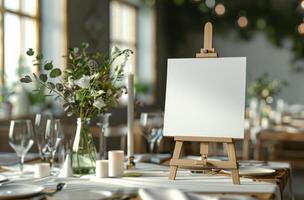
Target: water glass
(21,138)
(39,131)
(151,125)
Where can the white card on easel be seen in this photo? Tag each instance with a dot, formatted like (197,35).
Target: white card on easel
(205,97)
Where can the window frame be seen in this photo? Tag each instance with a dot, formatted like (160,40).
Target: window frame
(20,14)
(125,43)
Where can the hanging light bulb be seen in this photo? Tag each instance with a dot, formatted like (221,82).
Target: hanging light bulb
(242,21)
(301,28)
(210,3)
(220,9)
(302,4)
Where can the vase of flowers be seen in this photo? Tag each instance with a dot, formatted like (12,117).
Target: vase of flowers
(84,151)
(262,92)
(87,87)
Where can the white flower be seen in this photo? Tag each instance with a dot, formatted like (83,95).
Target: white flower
(99,103)
(83,82)
(71,99)
(96,75)
(70,81)
(97,93)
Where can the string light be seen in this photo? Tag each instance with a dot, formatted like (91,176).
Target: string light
(242,21)
(301,28)
(220,9)
(302,4)
(210,3)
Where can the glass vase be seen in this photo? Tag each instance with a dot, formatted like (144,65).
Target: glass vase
(84,150)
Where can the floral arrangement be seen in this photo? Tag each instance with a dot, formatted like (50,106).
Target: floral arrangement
(90,84)
(265,89)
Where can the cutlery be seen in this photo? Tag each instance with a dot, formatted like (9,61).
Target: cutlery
(50,192)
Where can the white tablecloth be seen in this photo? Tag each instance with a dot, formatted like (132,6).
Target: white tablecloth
(153,177)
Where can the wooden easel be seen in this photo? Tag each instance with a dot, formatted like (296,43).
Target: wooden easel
(204,163)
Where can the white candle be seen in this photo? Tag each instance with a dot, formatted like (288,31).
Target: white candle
(102,168)
(264,123)
(42,170)
(116,163)
(130,137)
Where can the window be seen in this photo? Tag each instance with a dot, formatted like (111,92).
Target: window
(132,25)
(123,28)
(19,31)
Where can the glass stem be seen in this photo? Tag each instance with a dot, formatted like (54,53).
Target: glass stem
(21,163)
(152,146)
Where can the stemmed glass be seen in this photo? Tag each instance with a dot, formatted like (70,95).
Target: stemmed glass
(40,126)
(53,137)
(21,138)
(151,125)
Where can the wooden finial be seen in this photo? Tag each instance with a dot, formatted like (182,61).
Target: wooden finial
(208,51)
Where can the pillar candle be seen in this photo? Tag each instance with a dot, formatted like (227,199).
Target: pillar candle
(42,170)
(102,168)
(116,163)
(130,137)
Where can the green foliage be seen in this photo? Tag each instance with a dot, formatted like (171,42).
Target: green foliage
(43,77)
(30,52)
(142,88)
(26,79)
(90,84)
(263,88)
(48,66)
(55,73)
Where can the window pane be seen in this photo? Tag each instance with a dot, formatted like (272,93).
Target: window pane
(115,21)
(12,40)
(123,22)
(29,39)
(29,7)
(12,4)
(128,18)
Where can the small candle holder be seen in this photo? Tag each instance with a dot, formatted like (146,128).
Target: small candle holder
(131,163)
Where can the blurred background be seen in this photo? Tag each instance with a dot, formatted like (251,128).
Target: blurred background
(268,32)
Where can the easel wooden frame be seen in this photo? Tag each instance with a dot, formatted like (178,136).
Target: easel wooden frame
(207,52)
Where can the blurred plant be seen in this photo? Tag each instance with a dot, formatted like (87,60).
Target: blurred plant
(265,89)
(5,94)
(142,88)
(89,85)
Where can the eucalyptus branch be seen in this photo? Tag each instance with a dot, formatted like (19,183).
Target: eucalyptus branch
(80,85)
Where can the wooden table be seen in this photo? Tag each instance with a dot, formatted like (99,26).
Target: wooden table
(270,140)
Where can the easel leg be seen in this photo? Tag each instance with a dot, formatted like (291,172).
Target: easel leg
(204,147)
(176,155)
(232,157)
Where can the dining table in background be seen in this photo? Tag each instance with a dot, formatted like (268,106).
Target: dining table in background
(273,141)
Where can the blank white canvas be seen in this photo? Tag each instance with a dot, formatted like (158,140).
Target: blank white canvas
(205,97)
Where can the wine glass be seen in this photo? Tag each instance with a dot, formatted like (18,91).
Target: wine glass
(21,138)
(151,125)
(40,125)
(53,136)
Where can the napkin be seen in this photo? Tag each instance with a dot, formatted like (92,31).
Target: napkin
(66,170)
